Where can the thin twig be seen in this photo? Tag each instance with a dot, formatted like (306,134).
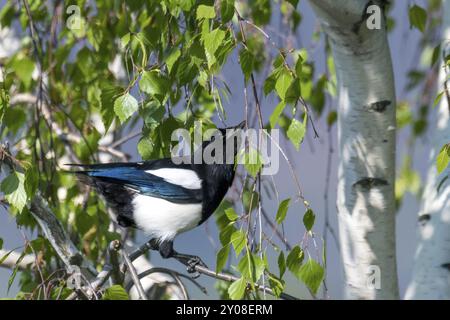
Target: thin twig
(134,276)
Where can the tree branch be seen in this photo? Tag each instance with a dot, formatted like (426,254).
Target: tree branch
(67,137)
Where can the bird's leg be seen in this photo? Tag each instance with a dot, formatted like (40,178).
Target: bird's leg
(166,250)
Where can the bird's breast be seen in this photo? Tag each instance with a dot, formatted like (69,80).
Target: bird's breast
(163,219)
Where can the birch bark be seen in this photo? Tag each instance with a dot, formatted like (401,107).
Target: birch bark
(366,143)
(431,272)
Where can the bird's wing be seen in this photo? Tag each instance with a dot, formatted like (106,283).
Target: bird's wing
(172,184)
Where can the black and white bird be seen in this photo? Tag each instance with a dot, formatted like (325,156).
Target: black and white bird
(163,198)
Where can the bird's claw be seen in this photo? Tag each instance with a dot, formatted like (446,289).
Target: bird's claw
(192,263)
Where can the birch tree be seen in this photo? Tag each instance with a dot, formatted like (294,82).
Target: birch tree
(431,273)
(366,143)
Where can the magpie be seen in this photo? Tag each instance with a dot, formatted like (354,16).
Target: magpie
(162,197)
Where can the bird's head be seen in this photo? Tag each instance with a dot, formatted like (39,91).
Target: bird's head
(226,142)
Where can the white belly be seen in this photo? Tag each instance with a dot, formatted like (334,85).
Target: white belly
(163,219)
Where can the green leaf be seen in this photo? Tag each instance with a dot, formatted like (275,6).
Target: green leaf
(116,292)
(443,158)
(251,267)
(24,69)
(311,273)
(253,162)
(236,290)
(275,116)
(226,10)
(294,260)
(296,132)
(145,148)
(13,186)
(222,257)
(225,233)
(282,210)
(5,256)
(155,83)
(31,181)
(283,82)
(308,219)
(205,12)
(269,84)
(276,284)
(438,98)
(418,17)
(281,264)
(125,106)
(331,118)
(1,243)
(293,92)
(239,240)
(247,61)
(231,214)
(212,41)
(172,58)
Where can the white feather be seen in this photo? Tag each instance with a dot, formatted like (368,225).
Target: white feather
(182,177)
(163,219)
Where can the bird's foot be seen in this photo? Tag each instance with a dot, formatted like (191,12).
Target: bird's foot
(191,262)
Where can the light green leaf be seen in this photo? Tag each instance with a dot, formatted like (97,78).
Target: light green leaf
(222,257)
(145,148)
(308,219)
(282,210)
(205,12)
(24,69)
(236,290)
(443,158)
(125,106)
(5,256)
(125,40)
(275,116)
(251,267)
(225,234)
(276,284)
(311,273)
(247,61)
(155,83)
(231,214)
(212,41)
(253,162)
(239,240)
(116,292)
(418,17)
(293,92)
(294,260)
(13,186)
(226,10)
(296,132)
(438,99)
(283,82)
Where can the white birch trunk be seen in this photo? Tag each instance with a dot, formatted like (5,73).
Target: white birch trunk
(431,273)
(366,142)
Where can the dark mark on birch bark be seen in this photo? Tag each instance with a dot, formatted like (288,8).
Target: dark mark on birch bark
(379,106)
(368,183)
(424,218)
(446,266)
